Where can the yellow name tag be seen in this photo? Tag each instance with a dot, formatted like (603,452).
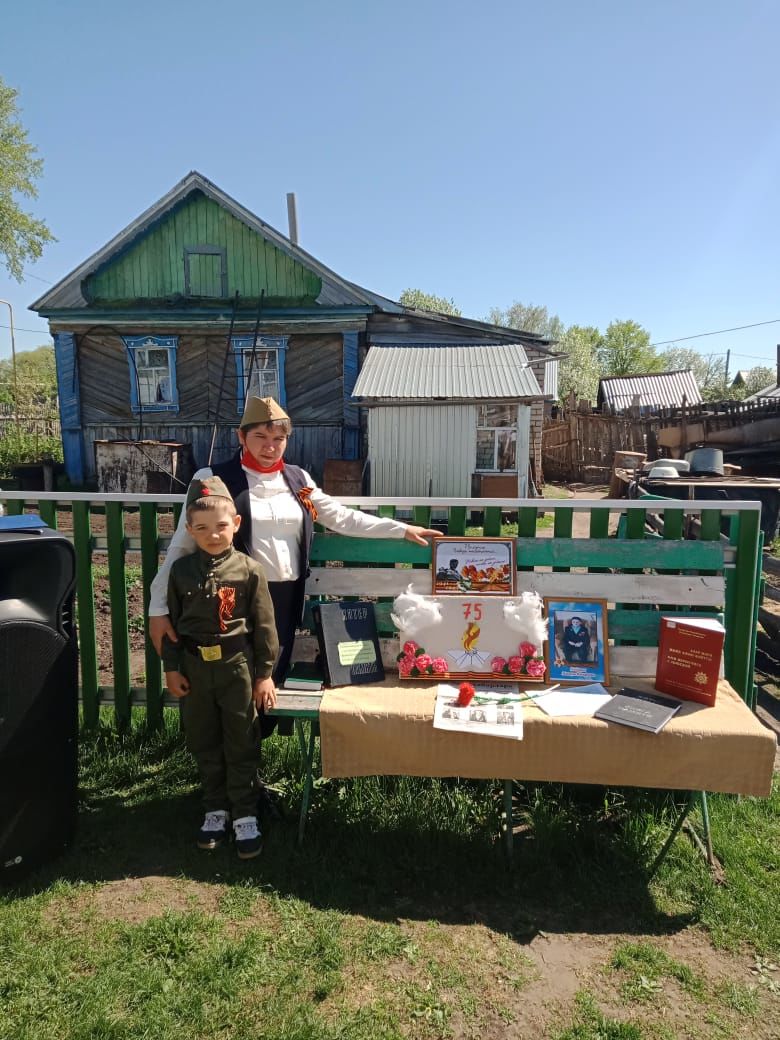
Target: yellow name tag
(359,651)
(211,653)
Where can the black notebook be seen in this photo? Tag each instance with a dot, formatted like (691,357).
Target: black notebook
(648,711)
(349,646)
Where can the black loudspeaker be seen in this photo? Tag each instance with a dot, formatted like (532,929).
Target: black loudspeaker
(38,698)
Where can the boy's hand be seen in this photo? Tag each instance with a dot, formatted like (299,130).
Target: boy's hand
(264,693)
(159,627)
(177,684)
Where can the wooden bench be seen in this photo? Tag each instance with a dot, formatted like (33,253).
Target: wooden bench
(697,557)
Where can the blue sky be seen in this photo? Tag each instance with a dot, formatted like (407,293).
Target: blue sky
(609,159)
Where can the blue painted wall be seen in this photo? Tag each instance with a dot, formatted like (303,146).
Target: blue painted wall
(70,405)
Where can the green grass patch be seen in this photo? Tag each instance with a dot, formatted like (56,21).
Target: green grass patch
(133,573)
(591,1024)
(645,966)
(397,917)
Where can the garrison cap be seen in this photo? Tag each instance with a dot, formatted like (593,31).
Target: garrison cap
(262,410)
(209,487)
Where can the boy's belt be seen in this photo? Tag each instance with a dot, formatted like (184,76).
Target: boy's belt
(216,651)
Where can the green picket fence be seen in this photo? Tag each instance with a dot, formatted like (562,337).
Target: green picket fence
(116,532)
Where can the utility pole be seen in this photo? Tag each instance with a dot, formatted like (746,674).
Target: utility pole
(13,357)
(726,373)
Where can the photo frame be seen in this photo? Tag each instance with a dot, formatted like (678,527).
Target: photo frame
(474,566)
(577,648)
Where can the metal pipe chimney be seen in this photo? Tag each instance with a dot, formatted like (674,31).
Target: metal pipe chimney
(292,218)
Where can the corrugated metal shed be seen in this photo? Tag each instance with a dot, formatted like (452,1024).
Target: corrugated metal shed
(422,451)
(660,390)
(451,373)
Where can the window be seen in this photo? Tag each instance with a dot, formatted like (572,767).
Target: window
(260,371)
(205,271)
(497,437)
(152,361)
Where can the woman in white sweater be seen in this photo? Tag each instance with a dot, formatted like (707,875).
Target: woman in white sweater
(278,505)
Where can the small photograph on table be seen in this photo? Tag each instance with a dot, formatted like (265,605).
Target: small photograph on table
(577,648)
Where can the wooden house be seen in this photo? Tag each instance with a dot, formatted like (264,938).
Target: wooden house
(162,332)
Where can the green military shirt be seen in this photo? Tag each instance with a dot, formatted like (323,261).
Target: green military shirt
(211,598)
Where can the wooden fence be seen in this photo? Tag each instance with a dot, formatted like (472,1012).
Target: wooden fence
(40,420)
(119,537)
(580,445)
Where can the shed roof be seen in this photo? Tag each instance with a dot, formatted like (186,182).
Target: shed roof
(771,391)
(656,390)
(451,372)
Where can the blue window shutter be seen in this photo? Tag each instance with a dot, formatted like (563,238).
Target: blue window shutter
(70,405)
(350,440)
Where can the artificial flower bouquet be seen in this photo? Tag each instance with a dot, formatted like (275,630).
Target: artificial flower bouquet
(527,665)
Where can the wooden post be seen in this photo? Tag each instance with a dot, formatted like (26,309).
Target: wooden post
(683,429)
(574,452)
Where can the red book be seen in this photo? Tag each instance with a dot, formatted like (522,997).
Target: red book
(689,656)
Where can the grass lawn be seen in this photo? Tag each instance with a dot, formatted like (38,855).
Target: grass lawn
(397,918)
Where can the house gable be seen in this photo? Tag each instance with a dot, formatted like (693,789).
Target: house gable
(200,251)
(228,248)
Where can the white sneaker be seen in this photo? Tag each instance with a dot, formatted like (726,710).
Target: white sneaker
(249,841)
(214,831)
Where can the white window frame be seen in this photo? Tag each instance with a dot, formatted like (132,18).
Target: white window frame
(496,430)
(136,346)
(242,348)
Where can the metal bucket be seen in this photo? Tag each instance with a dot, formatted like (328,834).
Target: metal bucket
(705,462)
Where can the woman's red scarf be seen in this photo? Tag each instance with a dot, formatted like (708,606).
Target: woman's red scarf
(250,462)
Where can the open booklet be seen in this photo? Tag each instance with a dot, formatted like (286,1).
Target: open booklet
(495,710)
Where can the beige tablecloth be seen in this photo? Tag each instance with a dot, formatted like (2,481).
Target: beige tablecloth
(387,729)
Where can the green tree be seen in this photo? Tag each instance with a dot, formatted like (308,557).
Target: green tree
(757,378)
(423,301)
(22,237)
(36,378)
(579,372)
(709,370)
(625,350)
(528,318)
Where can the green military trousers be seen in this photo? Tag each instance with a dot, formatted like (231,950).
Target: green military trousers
(219,728)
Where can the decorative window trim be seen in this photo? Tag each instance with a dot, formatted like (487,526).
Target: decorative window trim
(240,345)
(169,343)
(219,251)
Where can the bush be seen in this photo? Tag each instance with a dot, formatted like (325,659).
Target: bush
(18,447)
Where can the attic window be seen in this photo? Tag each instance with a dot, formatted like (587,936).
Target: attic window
(205,271)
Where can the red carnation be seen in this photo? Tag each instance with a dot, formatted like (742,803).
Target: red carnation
(465,693)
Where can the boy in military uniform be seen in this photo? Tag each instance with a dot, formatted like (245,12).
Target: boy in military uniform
(221,666)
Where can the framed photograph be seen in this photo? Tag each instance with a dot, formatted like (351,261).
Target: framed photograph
(577,650)
(474,566)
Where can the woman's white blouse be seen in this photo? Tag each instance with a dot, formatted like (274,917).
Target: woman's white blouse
(277,529)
